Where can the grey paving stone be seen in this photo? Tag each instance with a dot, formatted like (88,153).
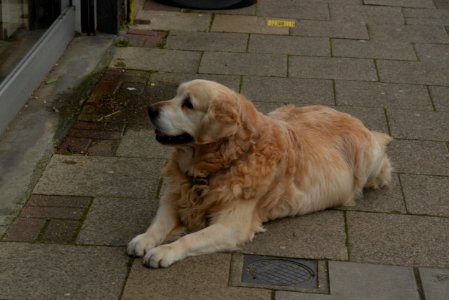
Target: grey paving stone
(389,199)
(141,143)
(368,14)
(39,271)
(244,24)
(440,97)
(433,52)
(360,2)
(207,41)
(372,49)
(372,118)
(423,21)
(100,176)
(376,94)
(354,281)
(398,239)
(357,281)
(402,3)
(426,195)
(332,68)
(419,157)
(293,9)
(172,20)
(201,277)
(244,64)
(426,13)
(428,72)
(297,237)
(309,46)
(409,33)
(435,283)
(419,125)
(331,29)
(231,81)
(115,221)
(156,59)
(288,90)
(2,230)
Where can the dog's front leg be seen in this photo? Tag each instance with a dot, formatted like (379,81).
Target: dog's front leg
(164,222)
(234,226)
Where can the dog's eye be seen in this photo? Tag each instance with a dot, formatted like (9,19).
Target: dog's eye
(187,103)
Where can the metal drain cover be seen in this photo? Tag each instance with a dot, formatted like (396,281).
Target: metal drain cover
(279,271)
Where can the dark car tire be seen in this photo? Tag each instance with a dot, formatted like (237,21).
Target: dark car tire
(210,4)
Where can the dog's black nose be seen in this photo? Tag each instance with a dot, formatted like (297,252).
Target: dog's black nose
(153,111)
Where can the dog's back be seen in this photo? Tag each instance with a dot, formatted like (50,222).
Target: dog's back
(337,156)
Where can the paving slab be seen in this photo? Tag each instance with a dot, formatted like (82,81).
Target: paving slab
(141,142)
(156,59)
(332,68)
(331,29)
(231,81)
(377,94)
(368,14)
(303,236)
(293,9)
(294,45)
(372,118)
(115,221)
(207,41)
(100,176)
(244,64)
(424,21)
(172,20)
(420,125)
(419,157)
(426,195)
(409,33)
(39,271)
(24,230)
(388,199)
(435,283)
(244,24)
(60,231)
(203,277)
(433,52)
(288,90)
(372,49)
(440,97)
(353,281)
(427,72)
(402,3)
(426,13)
(398,239)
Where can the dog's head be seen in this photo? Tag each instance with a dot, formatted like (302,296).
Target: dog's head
(202,112)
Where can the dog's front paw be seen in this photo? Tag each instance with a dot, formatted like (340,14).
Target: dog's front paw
(140,245)
(162,256)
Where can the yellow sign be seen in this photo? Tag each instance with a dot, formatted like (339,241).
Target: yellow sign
(281,23)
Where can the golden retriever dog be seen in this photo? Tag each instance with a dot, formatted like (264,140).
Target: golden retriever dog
(233,168)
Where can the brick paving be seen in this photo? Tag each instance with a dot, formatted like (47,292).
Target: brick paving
(385,62)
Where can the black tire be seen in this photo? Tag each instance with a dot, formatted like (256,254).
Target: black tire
(210,4)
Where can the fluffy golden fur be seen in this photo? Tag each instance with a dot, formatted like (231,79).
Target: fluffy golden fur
(233,168)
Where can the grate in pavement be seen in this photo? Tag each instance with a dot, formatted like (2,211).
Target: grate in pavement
(279,271)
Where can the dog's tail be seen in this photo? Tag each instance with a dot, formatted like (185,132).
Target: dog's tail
(382,138)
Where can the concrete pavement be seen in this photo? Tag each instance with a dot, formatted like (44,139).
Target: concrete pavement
(65,226)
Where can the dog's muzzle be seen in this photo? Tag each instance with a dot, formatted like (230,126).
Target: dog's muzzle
(161,136)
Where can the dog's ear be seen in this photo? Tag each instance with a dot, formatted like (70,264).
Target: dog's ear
(222,120)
